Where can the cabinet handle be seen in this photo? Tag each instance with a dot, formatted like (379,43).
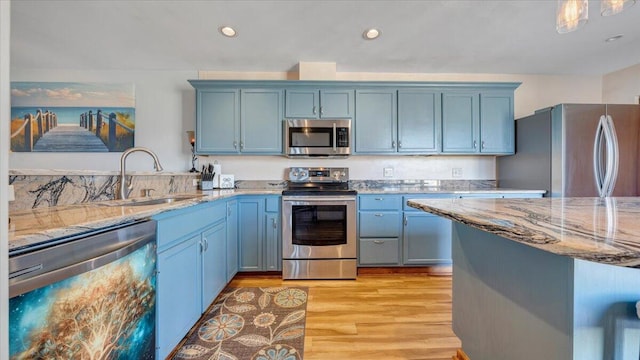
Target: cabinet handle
(393,144)
(274,223)
(314,110)
(475,144)
(399,144)
(482,144)
(379,199)
(235,144)
(406,221)
(202,246)
(378,241)
(379,215)
(321,112)
(206,244)
(241,145)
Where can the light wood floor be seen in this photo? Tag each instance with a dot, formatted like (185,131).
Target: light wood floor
(387,316)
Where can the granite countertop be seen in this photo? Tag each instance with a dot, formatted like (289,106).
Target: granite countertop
(34,226)
(31,227)
(594,229)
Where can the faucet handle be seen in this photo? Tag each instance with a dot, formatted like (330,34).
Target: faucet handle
(147,192)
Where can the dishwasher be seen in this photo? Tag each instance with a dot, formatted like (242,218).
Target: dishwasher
(90,296)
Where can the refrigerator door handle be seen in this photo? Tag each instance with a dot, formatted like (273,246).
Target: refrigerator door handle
(605,168)
(598,168)
(612,156)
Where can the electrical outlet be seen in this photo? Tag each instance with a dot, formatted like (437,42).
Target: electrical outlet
(195,182)
(388,172)
(637,99)
(456,172)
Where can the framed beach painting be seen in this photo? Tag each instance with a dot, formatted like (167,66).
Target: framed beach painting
(72,117)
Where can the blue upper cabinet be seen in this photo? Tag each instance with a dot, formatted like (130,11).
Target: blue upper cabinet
(317,104)
(419,121)
(478,122)
(497,125)
(412,118)
(376,121)
(460,122)
(261,121)
(234,121)
(217,121)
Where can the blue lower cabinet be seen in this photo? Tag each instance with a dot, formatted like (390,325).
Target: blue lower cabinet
(232,239)
(426,239)
(191,269)
(178,301)
(214,265)
(259,233)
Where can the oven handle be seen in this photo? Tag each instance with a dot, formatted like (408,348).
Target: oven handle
(320,198)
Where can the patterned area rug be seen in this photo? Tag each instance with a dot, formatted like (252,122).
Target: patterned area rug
(250,323)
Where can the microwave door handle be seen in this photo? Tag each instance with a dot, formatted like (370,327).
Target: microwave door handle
(335,140)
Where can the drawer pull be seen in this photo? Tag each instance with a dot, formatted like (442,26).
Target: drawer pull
(379,199)
(379,215)
(378,241)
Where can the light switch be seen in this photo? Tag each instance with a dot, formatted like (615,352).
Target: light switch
(456,172)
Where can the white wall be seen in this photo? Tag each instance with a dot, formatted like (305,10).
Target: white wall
(5,115)
(622,86)
(165,109)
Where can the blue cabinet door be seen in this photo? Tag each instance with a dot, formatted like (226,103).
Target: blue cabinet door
(460,122)
(302,103)
(273,249)
(178,298)
(419,121)
(250,234)
(261,121)
(497,125)
(426,239)
(316,104)
(214,265)
(232,239)
(336,103)
(217,121)
(376,121)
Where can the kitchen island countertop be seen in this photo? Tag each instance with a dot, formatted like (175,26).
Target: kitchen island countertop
(599,230)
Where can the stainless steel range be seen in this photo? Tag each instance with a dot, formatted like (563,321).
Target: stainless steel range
(319,225)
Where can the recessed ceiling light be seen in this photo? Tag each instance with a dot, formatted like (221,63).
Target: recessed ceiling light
(371,34)
(228,31)
(613,38)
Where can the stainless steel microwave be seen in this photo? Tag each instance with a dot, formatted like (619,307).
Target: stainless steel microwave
(317,137)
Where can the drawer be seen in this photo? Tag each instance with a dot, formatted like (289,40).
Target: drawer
(379,251)
(380,224)
(380,202)
(406,207)
(187,221)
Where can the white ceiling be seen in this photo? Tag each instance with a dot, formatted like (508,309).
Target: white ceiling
(477,36)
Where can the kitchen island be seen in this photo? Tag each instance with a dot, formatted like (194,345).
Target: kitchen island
(549,278)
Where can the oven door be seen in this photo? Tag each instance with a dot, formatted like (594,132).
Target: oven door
(318,227)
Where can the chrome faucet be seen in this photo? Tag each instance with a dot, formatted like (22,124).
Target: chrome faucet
(125,185)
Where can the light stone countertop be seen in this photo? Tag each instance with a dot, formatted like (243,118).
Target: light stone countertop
(40,225)
(594,229)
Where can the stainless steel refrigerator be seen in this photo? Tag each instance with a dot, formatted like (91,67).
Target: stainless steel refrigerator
(576,150)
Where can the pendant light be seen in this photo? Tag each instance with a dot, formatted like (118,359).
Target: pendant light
(571,14)
(612,7)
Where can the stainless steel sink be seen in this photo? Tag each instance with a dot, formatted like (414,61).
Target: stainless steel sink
(152,201)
